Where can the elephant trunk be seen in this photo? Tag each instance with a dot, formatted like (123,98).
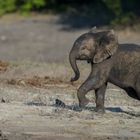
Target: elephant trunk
(72,59)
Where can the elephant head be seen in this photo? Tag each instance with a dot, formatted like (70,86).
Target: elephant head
(94,47)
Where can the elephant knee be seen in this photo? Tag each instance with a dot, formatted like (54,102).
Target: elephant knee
(81,97)
(82,90)
(100,96)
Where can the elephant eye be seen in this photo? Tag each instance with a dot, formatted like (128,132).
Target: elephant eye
(86,48)
(108,57)
(83,48)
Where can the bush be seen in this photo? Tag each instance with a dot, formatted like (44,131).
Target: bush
(28,5)
(24,6)
(7,6)
(124,19)
(115,11)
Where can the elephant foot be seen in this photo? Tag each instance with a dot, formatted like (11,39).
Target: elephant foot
(100,110)
(83,103)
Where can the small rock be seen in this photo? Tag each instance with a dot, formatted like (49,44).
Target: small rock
(3,38)
(121,122)
(4,100)
(2,136)
(22,82)
(60,103)
(0,133)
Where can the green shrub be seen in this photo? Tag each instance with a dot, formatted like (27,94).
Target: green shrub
(27,6)
(24,6)
(124,19)
(114,6)
(112,11)
(7,6)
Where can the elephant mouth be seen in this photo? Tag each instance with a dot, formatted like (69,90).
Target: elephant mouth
(83,56)
(89,61)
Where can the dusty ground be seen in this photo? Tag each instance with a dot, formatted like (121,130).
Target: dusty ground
(38,72)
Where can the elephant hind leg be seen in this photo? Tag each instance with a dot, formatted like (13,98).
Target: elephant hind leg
(100,97)
(132,93)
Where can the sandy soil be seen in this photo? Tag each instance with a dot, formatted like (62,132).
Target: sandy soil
(38,73)
(31,113)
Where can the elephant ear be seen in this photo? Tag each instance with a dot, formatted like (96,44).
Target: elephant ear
(107,44)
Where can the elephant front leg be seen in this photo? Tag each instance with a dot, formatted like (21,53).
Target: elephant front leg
(96,81)
(83,101)
(88,85)
(100,97)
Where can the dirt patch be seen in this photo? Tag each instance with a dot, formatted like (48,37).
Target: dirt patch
(31,113)
(3,66)
(36,81)
(45,107)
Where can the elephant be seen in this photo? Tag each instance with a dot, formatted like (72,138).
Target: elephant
(110,61)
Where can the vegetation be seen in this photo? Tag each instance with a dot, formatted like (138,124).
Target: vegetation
(110,11)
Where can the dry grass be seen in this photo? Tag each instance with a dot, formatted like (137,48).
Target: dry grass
(3,66)
(41,74)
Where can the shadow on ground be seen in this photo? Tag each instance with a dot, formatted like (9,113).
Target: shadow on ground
(86,15)
(75,107)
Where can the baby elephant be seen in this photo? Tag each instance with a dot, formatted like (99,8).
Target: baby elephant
(110,62)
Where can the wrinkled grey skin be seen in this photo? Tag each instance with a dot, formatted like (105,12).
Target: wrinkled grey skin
(110,62)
